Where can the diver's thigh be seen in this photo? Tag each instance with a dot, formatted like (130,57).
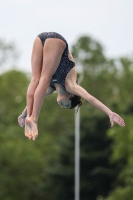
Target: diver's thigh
(52,53)
(37,58)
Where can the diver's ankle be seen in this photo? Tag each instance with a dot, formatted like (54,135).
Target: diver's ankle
(34,118)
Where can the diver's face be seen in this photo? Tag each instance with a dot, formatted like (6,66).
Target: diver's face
(64,101)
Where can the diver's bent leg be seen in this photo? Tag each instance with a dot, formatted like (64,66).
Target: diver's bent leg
(52,53)
(36,63)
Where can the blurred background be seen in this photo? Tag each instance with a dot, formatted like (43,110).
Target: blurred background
(99,34)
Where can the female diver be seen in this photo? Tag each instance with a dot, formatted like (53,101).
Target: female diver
(53,68)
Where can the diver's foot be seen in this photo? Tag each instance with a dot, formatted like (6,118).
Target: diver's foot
(21,120)
(31,130)
(28,130)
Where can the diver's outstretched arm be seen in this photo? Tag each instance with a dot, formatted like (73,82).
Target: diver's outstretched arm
(114,117)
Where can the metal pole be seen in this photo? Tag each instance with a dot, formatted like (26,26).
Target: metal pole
(77,155)
(77,147)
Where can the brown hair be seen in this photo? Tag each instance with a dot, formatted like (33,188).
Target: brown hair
(75,101)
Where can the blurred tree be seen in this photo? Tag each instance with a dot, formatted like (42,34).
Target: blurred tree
(13,85)
(122,146)
(97,173)
(89,55)
(48,164)
(20,156)
(8,53)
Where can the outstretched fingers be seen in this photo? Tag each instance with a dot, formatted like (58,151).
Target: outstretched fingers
(112,123)
(120,121)
(117,119)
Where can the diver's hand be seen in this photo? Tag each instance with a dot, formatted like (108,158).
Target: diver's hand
(21,119)
(114,117)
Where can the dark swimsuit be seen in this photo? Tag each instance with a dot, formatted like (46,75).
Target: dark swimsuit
(65,64)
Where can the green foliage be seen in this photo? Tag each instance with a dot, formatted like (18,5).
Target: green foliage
(96,170)
(44,169)
(13,85)
(27,164)
(122,149)
(62,174)
(87,50)
(8,53)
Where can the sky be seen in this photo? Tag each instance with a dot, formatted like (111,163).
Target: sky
(110,22)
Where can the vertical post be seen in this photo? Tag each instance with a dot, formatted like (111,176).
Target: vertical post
(77,155)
